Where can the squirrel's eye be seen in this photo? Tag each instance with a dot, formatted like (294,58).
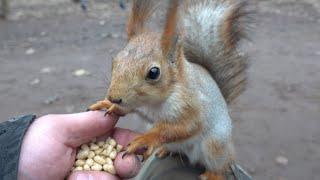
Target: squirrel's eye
(153,73)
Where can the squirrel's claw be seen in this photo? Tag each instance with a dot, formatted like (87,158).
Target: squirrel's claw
(147,140)
(162,152)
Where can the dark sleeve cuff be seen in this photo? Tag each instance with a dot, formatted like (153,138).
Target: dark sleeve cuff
(11,136)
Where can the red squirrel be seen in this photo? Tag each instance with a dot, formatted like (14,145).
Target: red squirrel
(181,80)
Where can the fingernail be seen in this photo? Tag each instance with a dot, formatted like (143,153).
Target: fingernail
(82,176)
(124,154)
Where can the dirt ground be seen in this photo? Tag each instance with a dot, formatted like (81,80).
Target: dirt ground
(276,121)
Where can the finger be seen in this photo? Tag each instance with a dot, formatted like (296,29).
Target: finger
(90,175)
(128,166)
(124,136)
(82,127)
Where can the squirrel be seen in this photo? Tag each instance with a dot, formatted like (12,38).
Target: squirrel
(181,80)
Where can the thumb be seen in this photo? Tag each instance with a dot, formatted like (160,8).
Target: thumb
(82,127)
(90,175)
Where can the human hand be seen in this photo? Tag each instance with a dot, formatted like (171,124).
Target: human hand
(49,147)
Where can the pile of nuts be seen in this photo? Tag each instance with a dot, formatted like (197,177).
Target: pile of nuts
(97,156)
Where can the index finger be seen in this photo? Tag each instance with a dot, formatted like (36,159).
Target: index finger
(80,128)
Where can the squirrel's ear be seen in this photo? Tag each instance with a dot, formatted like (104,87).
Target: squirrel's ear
(141,11)
(170,38)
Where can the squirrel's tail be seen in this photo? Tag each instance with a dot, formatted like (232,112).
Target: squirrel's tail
(212,30)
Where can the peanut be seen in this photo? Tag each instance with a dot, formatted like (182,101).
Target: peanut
(109,161)
(79,168)
(85,147)
(82,154)
(112,142)
(91,154)
(93,146)
(96,167)
(109,150)
(98,151)
(113,154)
(90,162)
(119,147)
(109,168)
(86,167)
(100,143)
(80,162)
(99,160)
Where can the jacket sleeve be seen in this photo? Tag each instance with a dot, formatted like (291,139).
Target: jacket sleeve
(11,136)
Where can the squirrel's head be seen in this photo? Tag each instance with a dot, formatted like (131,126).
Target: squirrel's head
(147,69)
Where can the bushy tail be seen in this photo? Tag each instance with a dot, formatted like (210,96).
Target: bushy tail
(212,30)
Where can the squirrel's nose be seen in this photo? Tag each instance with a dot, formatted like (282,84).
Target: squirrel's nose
(115,100)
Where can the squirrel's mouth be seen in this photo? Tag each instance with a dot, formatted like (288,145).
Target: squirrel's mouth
(122,109)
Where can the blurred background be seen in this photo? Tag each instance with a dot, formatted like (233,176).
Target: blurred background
(56,59)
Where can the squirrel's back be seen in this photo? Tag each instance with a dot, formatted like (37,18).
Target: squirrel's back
(211,31)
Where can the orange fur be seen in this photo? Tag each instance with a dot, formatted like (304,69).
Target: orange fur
(169,33)
(105,104)
(167,132)
(211,176)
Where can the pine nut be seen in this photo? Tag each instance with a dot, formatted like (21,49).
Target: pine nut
(90,162)
(113,154)
(99,160)
(109,168)
(80,162)
(82,154)
(96,167)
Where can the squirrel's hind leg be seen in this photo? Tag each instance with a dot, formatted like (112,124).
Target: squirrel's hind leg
(162,152)
(208,175)
(217,158)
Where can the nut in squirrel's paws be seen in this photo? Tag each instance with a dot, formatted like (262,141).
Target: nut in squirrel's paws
(149,141)
(105,104)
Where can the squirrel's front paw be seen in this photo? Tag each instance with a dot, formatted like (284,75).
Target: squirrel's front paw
(105,104)
(149,141)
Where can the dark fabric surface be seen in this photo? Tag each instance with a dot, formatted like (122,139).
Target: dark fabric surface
(11,136)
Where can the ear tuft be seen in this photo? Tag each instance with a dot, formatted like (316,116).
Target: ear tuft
(169,38)
(140,13)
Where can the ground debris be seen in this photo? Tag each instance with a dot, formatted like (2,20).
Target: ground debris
(81,72)
(102,22)
(281,160)
(34,81)
(51,100)
(30,51)
(46,70)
